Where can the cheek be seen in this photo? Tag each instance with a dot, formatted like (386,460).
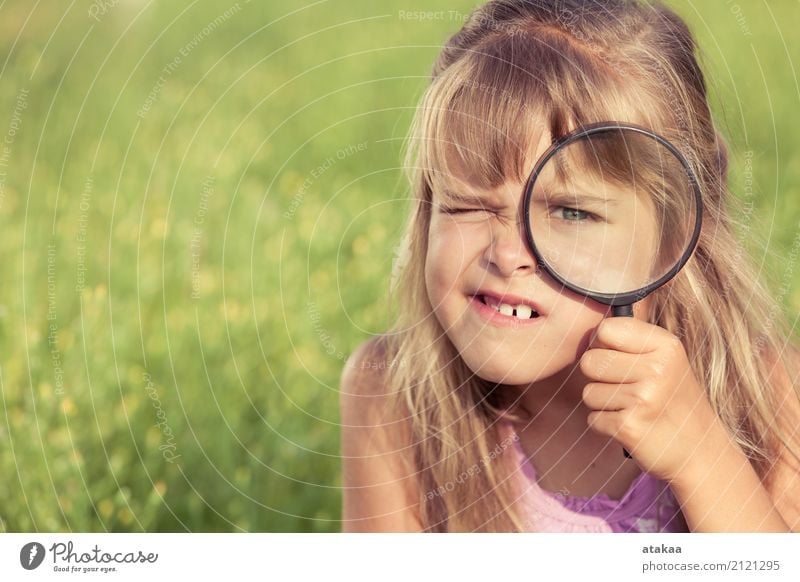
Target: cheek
(578,318)
(433,279)
(449,251)
(437,272)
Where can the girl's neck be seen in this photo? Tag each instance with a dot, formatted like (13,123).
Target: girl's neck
(555,407)
(567,454)
(556,396)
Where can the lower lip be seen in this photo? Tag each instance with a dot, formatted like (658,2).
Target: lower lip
(491,315)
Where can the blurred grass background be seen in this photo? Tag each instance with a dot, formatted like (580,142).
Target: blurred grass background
(199,208)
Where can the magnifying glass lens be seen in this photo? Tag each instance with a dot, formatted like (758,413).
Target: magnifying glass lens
(612,212)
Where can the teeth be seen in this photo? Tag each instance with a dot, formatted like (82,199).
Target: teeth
(523,312)
(520,311)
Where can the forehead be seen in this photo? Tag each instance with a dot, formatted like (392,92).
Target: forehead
(498,105)
(457,179)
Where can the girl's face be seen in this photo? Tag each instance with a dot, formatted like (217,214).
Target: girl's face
(482,250)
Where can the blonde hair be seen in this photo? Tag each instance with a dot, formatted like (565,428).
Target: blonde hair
(569,63)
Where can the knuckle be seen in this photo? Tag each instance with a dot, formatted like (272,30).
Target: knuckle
(643,394)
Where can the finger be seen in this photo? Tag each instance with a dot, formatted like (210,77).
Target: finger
(608,397)
(609,423)
(613,366)
(629,335)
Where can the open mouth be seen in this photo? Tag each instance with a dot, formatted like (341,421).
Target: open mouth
(518,311)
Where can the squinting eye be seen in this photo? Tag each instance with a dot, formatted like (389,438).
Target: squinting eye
(461,210)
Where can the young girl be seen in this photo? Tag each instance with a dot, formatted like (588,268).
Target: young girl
(455,422)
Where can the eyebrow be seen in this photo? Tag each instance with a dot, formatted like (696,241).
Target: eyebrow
(579,197)
(453,196)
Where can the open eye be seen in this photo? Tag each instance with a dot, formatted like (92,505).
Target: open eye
(569,214)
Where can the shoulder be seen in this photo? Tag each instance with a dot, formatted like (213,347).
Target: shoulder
(379,490)
(363,368)
(363,394)
(783,479)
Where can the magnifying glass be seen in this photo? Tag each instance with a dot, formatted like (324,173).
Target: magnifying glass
(612,212)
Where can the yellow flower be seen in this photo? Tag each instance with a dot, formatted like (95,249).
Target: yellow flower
(360,245)
(125,516)
(68,406)
(106,508)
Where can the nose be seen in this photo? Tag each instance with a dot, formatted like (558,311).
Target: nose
(508,251)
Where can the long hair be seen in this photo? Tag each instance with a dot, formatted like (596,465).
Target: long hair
(569,63)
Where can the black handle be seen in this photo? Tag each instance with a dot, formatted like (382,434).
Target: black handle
(623,311)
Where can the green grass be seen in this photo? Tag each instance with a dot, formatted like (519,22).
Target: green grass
(295,246)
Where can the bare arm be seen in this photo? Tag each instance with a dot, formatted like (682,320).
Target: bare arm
(725,494)
(783,481)
(379,490)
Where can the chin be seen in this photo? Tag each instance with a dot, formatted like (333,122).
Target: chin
(507,371)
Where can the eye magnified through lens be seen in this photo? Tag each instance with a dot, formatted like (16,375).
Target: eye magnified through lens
(612,211)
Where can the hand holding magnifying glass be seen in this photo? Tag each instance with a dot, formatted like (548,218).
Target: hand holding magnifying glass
(612,212)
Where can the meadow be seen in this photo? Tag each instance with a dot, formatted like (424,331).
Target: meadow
(200,204)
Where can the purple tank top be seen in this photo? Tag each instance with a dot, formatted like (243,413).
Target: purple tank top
(647,506)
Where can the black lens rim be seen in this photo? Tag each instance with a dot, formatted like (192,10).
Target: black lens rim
(628,297)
